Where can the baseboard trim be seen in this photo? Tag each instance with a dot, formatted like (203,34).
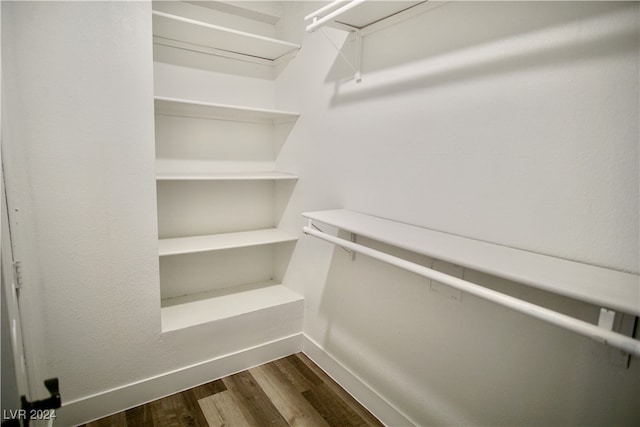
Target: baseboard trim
(86,409)
(118,399)
(354,385)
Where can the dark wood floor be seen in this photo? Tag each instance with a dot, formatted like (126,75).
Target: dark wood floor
(291,391)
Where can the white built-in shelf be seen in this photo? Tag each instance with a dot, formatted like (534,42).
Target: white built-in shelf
(354,15)
(604,287)
(177,31)
(227,176)
(207,110)
(196,309)
(216,242)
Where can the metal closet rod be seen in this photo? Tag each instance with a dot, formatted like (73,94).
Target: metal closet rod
(581,327)
(324,9)
(319,22)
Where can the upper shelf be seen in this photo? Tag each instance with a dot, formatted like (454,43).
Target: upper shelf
(357,14)
(204,37)
(600,286)
(206,110)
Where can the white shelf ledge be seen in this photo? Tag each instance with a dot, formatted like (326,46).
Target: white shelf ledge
(216,242)
(206,110)
(191,310)
(600,286)
(169,166)
(227,176)
(202,36)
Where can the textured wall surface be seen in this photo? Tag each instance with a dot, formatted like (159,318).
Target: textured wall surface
(82,110)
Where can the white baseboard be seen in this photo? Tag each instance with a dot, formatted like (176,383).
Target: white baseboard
(355,386)
(99,405)
(89,408)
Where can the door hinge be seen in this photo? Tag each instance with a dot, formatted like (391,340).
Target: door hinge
(17,274)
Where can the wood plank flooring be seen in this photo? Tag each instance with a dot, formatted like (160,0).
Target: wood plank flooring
(292,391)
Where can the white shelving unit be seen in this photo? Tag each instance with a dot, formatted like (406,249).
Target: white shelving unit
(216,169)
(603,287)
(216,242)
(189,34)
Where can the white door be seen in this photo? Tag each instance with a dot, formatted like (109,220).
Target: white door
(10,295)
(15,384)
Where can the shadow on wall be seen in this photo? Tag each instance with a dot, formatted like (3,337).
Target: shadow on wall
(467,40)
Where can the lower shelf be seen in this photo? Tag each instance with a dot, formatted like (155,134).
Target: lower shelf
(191,310)
(215,242)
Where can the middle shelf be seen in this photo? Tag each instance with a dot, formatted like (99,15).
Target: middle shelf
(226,176)
(214,242)
(211,110)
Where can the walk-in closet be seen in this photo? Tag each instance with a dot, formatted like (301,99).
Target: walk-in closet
(350,212)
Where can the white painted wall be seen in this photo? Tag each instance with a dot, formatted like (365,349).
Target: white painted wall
(82,133)
(514,123)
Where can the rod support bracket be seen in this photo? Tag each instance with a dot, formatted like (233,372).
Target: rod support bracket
(353,239)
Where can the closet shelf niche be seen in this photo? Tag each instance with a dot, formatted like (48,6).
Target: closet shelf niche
(193,171)
(221,254)
(189,34)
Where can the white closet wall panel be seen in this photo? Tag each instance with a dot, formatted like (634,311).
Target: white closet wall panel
(195,273)
(191,208)
(201,80)
(220,140)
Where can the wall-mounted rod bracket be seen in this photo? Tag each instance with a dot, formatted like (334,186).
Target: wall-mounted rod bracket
(357,72)
(358,75)
(352,238)
(621,323)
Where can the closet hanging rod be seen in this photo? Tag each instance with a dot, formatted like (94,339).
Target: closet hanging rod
(317,23)
(324,9)
(586,329)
